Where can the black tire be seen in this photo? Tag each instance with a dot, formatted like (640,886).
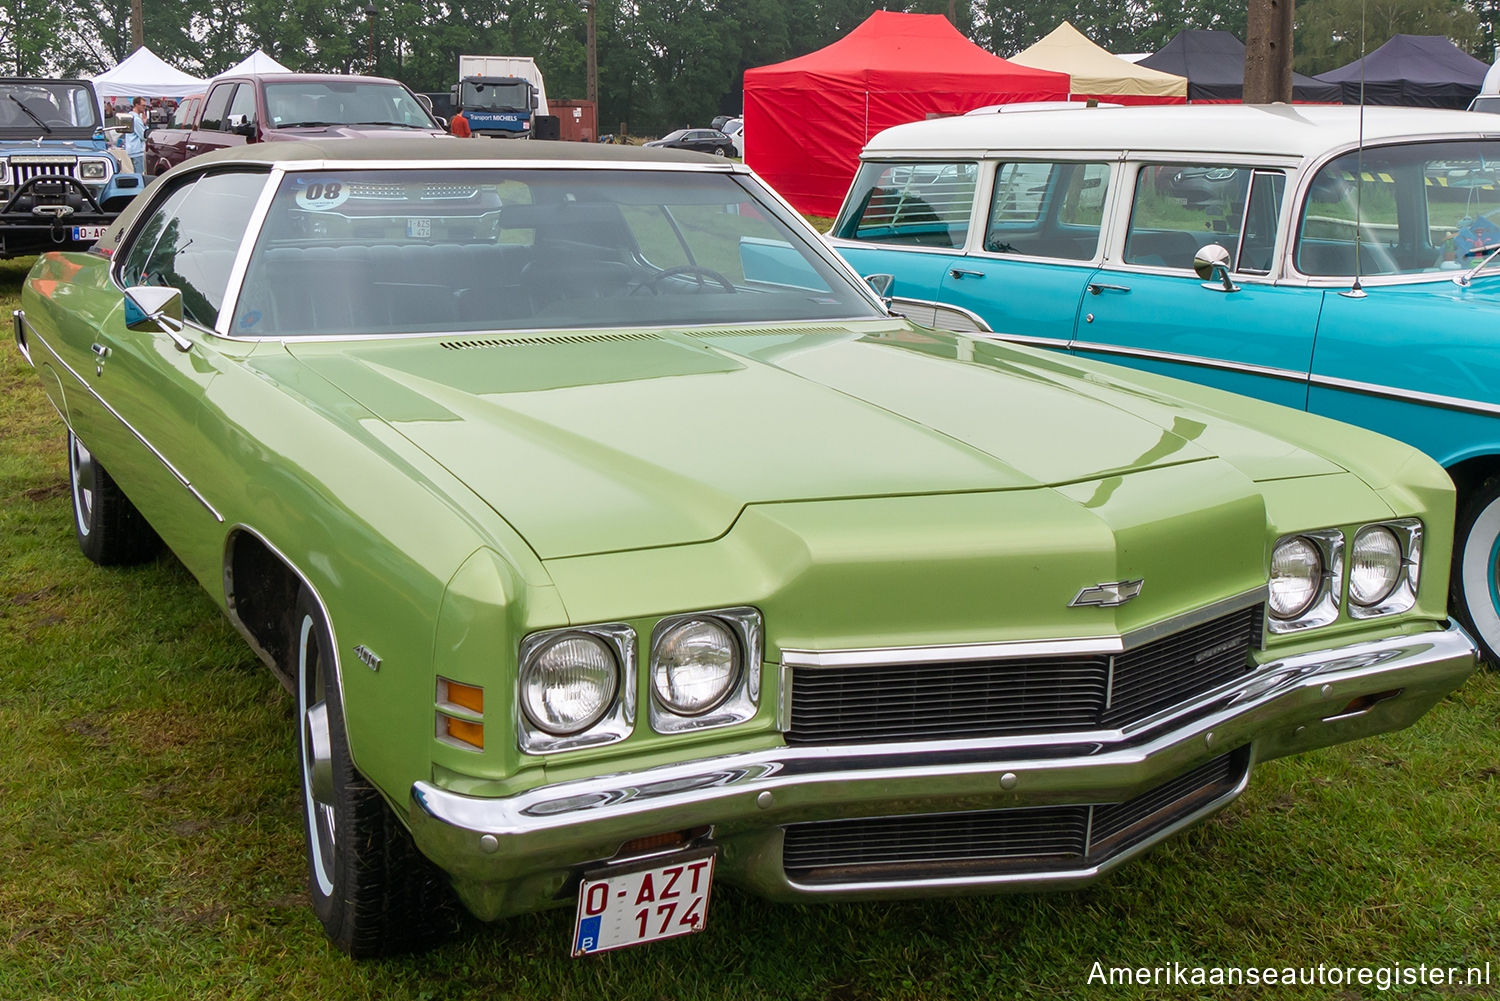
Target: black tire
(1475,594)
(375,894)
(110,531)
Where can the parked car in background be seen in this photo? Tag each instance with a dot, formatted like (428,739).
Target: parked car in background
(615,541)
(60,185)
(1220,244)
(275,107)
(699,140)
(735,130)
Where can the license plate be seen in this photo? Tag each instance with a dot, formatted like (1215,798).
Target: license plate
(88,232)
(629,906)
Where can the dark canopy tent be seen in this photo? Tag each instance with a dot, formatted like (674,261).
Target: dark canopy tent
(1423,71)
(807,119)
(1214,64)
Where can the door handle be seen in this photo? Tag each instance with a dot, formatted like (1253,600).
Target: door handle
(961,273)
(1098,287)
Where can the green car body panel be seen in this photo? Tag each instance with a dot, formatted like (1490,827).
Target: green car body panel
(863,484)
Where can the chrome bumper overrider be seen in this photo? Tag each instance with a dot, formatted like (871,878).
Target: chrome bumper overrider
(524,852)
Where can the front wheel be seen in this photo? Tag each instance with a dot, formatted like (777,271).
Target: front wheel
(1476,568)
(110,531)
(375,894)
(722,150)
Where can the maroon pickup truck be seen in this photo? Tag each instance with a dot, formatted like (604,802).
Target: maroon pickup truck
(276,106)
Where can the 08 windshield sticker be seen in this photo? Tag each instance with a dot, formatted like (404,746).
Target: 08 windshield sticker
(322,194)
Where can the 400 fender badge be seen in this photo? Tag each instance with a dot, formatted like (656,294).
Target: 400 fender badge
(367,657)
(1108,595)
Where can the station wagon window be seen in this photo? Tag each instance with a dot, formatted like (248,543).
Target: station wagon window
(1047,209)
(1424,207)
(1179,208)
(189,241)
(921,203)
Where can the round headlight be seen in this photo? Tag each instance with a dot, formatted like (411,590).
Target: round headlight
(695,665)
(93,170)
(569,684)
(1374,565)
(1296,577)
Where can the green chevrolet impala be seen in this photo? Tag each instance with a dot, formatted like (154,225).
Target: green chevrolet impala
(615,540)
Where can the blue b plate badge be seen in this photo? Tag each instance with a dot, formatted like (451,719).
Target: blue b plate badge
(628,905)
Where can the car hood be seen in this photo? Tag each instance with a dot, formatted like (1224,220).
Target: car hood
(74,143)
(597,442)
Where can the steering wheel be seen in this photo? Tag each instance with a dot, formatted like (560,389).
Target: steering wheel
(696,271)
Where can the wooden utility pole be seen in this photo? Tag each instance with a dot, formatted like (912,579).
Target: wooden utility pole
(1268,51)
(137,26)
(592,67)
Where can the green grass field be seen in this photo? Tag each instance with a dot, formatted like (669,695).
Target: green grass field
(151,837)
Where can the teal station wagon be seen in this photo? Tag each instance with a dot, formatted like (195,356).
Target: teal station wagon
(614,542)
(1220,244)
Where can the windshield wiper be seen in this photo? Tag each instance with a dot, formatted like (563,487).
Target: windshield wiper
(30,114)
(394,125)
(1489,250)
(306,125)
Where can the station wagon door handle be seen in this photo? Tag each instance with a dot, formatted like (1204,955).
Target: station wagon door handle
(961,273)
(1098,287)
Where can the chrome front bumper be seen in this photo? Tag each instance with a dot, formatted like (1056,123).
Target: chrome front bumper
(525,852)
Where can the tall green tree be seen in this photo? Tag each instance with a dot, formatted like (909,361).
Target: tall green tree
(1328,31)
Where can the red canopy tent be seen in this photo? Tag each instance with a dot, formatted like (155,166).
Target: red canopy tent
(807,119)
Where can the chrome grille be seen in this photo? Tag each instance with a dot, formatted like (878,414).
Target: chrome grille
(25,170)
(846,705)
(1026,839)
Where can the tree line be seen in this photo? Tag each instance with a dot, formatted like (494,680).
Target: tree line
(663,64)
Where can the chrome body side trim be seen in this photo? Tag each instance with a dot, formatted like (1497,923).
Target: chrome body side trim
(981,327)
(1326,381)
(18,322)
(176,473)
(960,652)
(538,839)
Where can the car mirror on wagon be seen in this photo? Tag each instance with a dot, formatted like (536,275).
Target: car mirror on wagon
(156,309)
(1212,265)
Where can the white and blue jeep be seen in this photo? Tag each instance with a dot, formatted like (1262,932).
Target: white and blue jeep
(60,184)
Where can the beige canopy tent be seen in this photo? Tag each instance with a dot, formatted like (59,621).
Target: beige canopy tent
(1097,74)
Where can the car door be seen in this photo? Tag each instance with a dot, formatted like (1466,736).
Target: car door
(1242,331)
(908,219)
(158,383)
(1041,242)
(211,132)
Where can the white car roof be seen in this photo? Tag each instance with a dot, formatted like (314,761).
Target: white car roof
(1275,129)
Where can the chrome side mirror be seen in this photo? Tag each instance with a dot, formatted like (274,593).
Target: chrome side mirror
(1211,264)
(155,309)
(881,284)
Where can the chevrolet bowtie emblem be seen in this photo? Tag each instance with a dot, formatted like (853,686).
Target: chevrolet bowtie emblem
(1108,595)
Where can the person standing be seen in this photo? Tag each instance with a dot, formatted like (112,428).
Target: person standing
(459,125)
(134,141)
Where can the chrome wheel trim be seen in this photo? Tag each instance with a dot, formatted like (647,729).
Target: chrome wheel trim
(316,737)
(82,469)
(1479,572)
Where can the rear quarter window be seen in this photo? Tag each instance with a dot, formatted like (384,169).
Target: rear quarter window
(920,203)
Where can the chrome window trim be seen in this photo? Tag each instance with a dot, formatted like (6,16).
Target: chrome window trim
(145,442)
(230,307)
(1010,650)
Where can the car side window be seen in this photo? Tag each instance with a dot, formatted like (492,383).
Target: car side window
(1432,206)
(1041,209)
(243,103)
(189,242)
(218,103)
(1178,208)
(923,203)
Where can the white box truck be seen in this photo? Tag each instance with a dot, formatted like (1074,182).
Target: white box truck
(501,96)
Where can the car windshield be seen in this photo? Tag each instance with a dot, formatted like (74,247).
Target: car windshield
(496,96)
(411,250)
(34,106)
(1422,207)
(343,102)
